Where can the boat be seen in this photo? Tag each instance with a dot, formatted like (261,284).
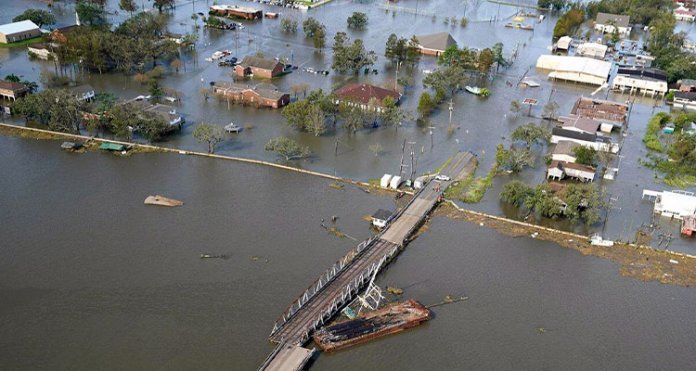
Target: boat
(473,89)
(530,83)
(597,240)
(233,128)
(391,319)
(162,201)
(211,256)
(71,146)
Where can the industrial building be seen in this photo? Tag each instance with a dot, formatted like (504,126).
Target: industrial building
(577,69)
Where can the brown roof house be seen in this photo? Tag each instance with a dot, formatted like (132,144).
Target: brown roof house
(12,90)
(259,67)
(367,97)
(435,44)
(236,11)
(261,95)
(561,169)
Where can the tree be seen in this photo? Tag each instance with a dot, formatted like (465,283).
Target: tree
(319,38)
(425,104)
(485,60)
(516,192)
(103,102)
(531,134)
(357,20)
(310,26)
(550,110)
(552,4)
(543,201)
(155,89)
(498,57)
(515,106)
(152,126)
(127,6)
(376,149)
(584,202)
(464,22)
(176,64)
(288,25)
(315,123)
(350,57)
(448,79)
(161,4)
(585,155)
(209,134)
(515,160)
(56,108)
(287,148)
(295,114)
(91,14)
(399,50)
(390,113)
(353,117)
(38,16)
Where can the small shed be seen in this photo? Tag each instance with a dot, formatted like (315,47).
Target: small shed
(564,43)
(395,182)
(384,182)
(420,182)
(381,217)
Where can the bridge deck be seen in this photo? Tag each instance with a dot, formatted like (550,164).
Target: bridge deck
(331,297)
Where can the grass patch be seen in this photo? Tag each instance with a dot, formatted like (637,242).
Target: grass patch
(680,181)
(472,189)
(652,132)
(26,42)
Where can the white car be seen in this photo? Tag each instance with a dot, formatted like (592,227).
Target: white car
(443,178)
(233,128)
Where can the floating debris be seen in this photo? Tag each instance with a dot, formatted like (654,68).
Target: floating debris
(214,256)
(336,185)
(448,300)
(162,201)
(394,290)
(257,258)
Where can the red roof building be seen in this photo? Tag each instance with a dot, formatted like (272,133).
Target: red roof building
(368,97)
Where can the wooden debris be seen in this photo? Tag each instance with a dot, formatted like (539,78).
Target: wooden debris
(162,201)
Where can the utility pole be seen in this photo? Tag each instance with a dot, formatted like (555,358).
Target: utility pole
(396,80)
(451,108)
(432,143)
(401,166)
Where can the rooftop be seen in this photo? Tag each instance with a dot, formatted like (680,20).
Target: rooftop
(690,82)
(565,147)
(580,65)
(21,26)
(11,85)
(613,19)
(266,64)
(364,92)
(572,134)
(685,95)
(645,73)
(243,9)
(602,110)
(382,214)
(436,41)
(264,90)
(571,165)
(584,124)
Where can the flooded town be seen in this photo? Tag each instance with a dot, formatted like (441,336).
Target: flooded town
(344,184)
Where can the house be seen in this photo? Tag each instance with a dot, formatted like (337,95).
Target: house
(236,11)
(684,100)
(12,90)
(648,80)
(435,44)
(609,23)
(365,96)
(565,151)
(604,111)
(41,51)
(168,113)
(263,95)
(270,15)
(687,85)
(259,67)
(18,31)
(688,226)
(598,142)
(580,124)
(592,50)
(559,170)
(684,14)
(381,217)
(672,204)
(83,92)
(578,69)
(564,43)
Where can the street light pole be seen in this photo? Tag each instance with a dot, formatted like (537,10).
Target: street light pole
(451,108)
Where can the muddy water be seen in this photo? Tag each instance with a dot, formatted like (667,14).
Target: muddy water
(92,278)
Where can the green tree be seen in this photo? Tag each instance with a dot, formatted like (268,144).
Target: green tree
(350,57)
(155,89)
(425,104)
(319,39)
(485,60)
(515,106)
(448,78)
(38,16)
(288,25)
(89,13)
(531,134)
(357,20)
(516,192)
(585,155)
(127,6)
(287,148)
(543,201)
(390,113)
(310,26)
(56,108)
(584,202)
(316,121)
(353,117)
(161,4)
(152,127)
(210,134)
(515,159)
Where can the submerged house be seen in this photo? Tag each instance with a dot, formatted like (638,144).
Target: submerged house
(684,100)
(609,23)
(435,44)
(258,67)
(236,11)
(577,69)
(598,142)
(565,151)
(18,31)
(559,170)
(381,217)
(12,90)
(263,95)
(365,96)
(672,204)
(604,111)
(647,80)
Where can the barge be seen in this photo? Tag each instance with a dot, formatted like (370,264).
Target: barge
(391,319)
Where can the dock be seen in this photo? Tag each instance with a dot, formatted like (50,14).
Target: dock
(346,278)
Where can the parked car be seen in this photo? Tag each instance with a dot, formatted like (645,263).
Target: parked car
(443,178)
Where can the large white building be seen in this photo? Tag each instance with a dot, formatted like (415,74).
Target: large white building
(608,23)
(672,204)
(647,80)
(577,69)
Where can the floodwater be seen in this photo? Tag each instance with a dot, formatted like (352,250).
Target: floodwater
(93,279)
(482,123)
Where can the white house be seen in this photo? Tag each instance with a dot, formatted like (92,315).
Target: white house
(684,14)
(673,204)
(381,217)
(592,50)
(608,23)
(564,43)
(559,170)
(648,80)
(577,69)
(598,142)
(685,100)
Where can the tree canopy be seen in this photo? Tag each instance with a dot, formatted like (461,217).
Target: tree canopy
(357,20)
(350,56)
(38,16)
(287,148)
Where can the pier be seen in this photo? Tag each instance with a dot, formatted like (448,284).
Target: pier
(346,278)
